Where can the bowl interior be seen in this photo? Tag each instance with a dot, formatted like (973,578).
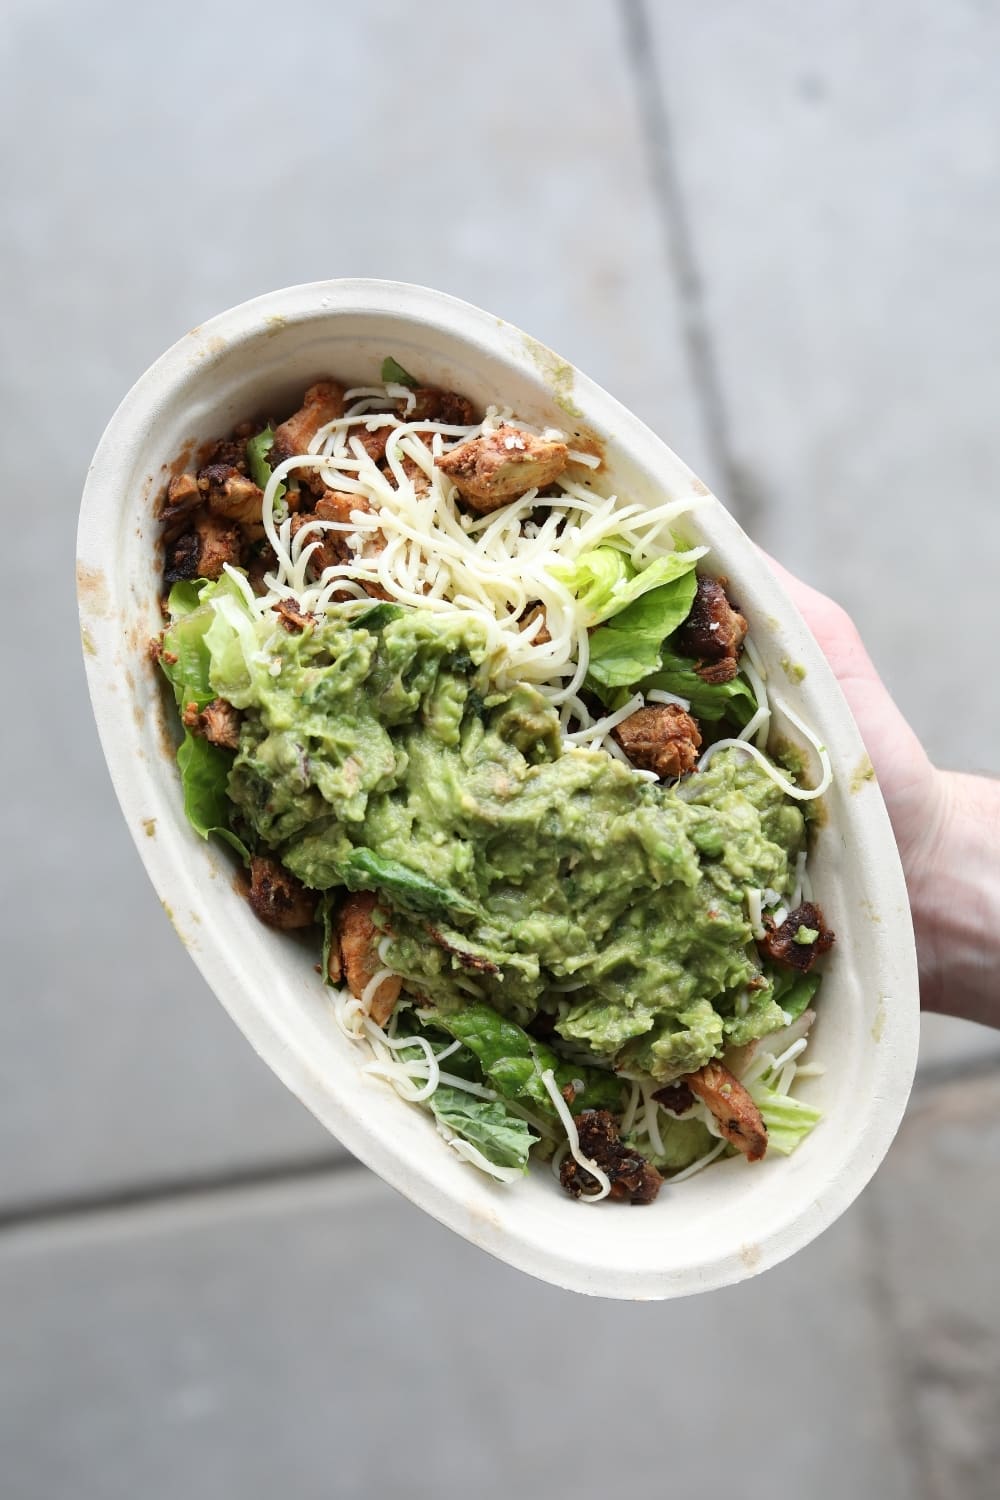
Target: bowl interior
(721,1225)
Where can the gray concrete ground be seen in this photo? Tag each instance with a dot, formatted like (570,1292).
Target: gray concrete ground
(774,232)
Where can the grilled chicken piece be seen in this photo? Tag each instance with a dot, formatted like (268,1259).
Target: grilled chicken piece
(632,1176)
(218,722)
(323,402)
(713,632)
(359,939)
(182,497)
(231,494)
(781,945)
(432,405)
(738,1116)
(660,737)
(202,551)
(500,466)
(277,897)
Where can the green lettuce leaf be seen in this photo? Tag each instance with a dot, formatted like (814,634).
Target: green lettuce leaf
(258,449)
(793,992)
(366,870)
(788,1120)
(709,700)
(502,1138)
(513,1062)
(378,616)
(605,581)
(628,647)
(393,373)
(204,768)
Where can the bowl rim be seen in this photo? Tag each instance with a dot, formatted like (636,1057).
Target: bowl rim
(102,614)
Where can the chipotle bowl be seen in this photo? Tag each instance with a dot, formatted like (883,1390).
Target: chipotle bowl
(460,496)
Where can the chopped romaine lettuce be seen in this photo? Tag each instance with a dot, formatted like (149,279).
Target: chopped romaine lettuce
(627,648)
(394,374)
(204,768)
(709,700)
(788,1120)
(513,1062)
(258,449)
(605,581)
(793,992)
(366,870)
(502,1138)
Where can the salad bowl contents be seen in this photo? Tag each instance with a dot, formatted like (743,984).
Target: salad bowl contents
(494,717)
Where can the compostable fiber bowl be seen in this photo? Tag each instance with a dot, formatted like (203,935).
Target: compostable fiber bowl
(733,1219)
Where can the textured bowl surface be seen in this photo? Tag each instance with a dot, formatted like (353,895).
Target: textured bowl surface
(719,1227)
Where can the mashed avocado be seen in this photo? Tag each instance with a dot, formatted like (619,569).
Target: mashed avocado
(378,754)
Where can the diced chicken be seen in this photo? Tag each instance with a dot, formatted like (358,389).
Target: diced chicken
(500,466)
(432,405)
(202,551)
(359,939)
(372,442)
(660,737)
(182,497)
(738,1117)
(277,897)
(676,1097)
(713,632)
(291,616)
(218,722)
(231,494)
(800,939)
(323,403)
(632,1176)
(232,451)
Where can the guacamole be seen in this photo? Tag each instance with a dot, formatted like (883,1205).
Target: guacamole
(376,753)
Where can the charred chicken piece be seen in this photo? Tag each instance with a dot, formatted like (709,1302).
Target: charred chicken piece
(739,1118)
(432,405)
(277,897)
(323,402)
(500,466)
(713,632)
(660,737)
(800,939)
(359,938)
(202,551)
(632,1176)
(231,494)
(218,722)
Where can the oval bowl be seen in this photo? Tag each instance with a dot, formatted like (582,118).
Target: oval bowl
(719,1227)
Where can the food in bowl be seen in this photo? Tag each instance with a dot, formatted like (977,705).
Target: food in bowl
(502,737)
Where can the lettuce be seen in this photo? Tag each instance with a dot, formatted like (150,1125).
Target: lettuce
(258,462)
(709,700)
(605,580)
(788,1120)
(512,1061)
(628,647)
(793,992)
(502,1138)
(204,768)
(366,870)
(393,373)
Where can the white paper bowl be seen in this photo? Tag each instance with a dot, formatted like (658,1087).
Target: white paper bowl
(732,1220)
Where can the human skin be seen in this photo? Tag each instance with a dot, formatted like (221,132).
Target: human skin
(947,827)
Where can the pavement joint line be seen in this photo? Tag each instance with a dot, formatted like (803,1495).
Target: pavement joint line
(667,191)
(176,1191)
